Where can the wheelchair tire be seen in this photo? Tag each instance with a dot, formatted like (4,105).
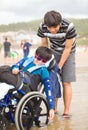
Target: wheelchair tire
(32,108)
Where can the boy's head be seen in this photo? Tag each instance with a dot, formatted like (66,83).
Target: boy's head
(43,54)
(53,20)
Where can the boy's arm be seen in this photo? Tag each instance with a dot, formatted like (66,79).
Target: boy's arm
(48,91)
(50,98)
(16,67)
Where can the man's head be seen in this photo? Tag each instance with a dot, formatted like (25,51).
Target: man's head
(42,54)
(53,20)
(6,38)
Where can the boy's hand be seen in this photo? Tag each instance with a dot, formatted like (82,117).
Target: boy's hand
(51,114)
(15,71)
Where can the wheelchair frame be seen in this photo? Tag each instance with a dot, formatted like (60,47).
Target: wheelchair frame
(15,111)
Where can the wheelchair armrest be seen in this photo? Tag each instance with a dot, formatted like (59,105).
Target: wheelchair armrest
(52,64)
(12,90)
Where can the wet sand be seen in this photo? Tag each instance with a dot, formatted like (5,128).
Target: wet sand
(79,104)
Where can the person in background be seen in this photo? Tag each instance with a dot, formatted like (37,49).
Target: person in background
(26,47)
(7,46)
(61,34)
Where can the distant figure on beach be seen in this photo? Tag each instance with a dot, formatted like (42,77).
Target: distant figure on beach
(7,46)
(26,47)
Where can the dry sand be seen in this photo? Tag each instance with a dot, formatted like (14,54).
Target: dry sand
(82,57)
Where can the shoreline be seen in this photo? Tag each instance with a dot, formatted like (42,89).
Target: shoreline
(81,57)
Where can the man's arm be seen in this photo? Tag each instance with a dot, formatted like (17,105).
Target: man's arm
(66,52)
(44,41)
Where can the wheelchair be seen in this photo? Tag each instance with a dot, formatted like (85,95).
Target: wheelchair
(31,109)
(24,109)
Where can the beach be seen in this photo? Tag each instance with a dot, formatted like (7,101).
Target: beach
(79,104)
(81,56)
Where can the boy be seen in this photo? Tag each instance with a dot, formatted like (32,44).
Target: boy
(42,55)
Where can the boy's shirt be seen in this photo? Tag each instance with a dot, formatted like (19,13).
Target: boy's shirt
(23,66)
(42,71)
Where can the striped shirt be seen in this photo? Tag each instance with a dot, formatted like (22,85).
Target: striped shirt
(58,40)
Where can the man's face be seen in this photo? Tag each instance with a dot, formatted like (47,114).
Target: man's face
(54,29)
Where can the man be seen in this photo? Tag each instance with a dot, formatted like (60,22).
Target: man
(26,47)
(7,46)
(61,34)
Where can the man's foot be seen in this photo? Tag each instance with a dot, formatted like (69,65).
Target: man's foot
(66,116)
(56,112)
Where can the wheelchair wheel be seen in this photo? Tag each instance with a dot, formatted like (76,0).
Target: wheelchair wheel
(3,121)
(32,108)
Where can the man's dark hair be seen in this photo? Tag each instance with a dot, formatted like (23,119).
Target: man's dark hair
(52,18)
(6,38)
(44,52)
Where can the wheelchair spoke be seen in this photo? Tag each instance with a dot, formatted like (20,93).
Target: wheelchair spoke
(29,123)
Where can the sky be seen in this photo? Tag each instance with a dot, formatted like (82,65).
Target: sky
(13,11)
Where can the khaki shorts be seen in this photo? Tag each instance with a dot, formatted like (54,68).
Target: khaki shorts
(68,70)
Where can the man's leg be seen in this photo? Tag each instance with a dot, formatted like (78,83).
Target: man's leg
(56,105)
(67,96)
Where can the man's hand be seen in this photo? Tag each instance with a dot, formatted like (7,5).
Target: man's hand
(51,114)
(15,71)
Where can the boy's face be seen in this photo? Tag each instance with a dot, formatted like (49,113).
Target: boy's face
(39,61)
(54,29)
